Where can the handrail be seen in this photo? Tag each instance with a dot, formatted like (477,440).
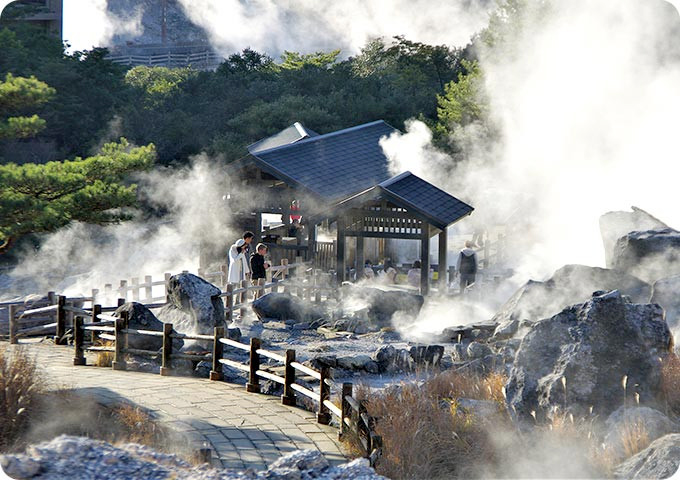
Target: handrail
(35,311)
(272,355)
(306,392)
(307,370)
(234,343)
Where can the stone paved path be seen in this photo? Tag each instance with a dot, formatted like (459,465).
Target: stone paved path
(245,430)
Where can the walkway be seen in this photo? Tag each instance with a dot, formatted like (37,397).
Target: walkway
(245,430)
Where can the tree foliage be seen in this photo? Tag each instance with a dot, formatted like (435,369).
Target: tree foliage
(37,198)
(17,96)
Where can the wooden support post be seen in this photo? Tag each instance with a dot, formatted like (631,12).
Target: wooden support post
(243,298)
(345,408)
(121,341)
(286,271)
(486,253)
(340,264)
(96,311)
(360,258)
(204,455)
(324,415)
(443,261)
(148,288)
(216,372)
(167,350)
(288,397)
(424,258)
(135,289)
(260,283)
(78,338)
(229,304)
(253,385)
(121,302)
(107,290)
(95,294)
(51,298)
(167,280)
(13,324)
(61,321)
(311,243)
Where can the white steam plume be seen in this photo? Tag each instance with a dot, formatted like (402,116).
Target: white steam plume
(88,24)
(80,257)
(307,25)
(587,102)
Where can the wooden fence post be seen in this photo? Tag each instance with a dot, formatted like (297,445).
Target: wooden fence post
(229,307)
(51,298)
(96,311)
(253,385)
(288,397)
(95,293)
(260,292)
(167,349)
(122,290)
(148,288)
(345,408)
(13,324)
(216,372)
(61,321)
(78,337)
(118,359)
(167,279)
(324,415)
(121,302)
(135,289)
(243,298)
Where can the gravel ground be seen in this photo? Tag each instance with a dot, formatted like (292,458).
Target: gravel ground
(76,458)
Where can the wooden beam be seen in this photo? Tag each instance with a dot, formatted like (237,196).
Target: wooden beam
(443,266)
(311,242)
(424,261)
(405,236)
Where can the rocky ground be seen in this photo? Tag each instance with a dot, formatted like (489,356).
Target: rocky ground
(74,458)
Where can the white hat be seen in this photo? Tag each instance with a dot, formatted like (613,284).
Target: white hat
(240,242)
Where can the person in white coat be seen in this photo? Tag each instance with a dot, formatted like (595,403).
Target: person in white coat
(238,263)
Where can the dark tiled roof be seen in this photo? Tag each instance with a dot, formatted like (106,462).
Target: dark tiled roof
(292,134)
(440,208)
(335,165)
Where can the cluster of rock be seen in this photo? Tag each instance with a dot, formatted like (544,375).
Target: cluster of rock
(386,359)
(74,458)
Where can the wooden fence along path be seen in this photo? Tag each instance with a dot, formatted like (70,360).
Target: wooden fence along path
(90,325)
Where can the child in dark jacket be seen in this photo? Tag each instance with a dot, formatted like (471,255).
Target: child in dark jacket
(258,266)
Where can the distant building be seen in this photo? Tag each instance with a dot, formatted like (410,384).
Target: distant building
(47,14)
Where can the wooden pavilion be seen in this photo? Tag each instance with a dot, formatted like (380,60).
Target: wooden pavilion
(343,177)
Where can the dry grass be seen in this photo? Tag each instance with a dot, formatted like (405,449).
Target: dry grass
(424,433)
(20,388)
(138,426)
(635,438)
(670,382)
(104,359)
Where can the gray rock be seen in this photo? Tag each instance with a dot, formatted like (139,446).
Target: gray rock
(194,306)
(354,362)
(650,254)
(614,225)
(666,292)
(324,361)
(459,352)
(385,356)
(141,318)
(660,460)
(477,350)
(593,345)
(283,306)
(568,285)
(404,361)
(372,367)
(427,355)
(623,419)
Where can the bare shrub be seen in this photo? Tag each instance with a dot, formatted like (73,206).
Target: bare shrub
(138,426)
(104,359)
(670,382)
(634,437)
(20,388)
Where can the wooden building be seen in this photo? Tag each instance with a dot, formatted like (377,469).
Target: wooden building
(343,178)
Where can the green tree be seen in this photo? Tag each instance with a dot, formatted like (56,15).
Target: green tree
(464,101)
(36,198)
(296,61)
(19,95)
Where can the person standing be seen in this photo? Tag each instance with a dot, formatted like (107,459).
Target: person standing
(467,266)
(238,264)
(258,266)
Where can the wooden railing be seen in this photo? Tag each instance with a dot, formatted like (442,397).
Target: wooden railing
(91,326)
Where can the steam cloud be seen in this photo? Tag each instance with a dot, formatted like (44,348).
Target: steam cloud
(81,257)
(586,100)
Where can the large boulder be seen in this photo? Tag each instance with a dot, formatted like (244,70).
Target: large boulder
(141,318)
(593,346)
(569,285)
(195,306)
(660,460)
(283,306)
(382,304)
(649,255)
(614,225)
(628,420)
(666,292)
